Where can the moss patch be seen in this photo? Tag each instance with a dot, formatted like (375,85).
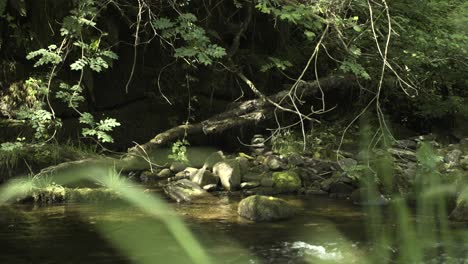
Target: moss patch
(286,181)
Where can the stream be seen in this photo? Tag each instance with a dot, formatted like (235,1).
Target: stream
(324,231)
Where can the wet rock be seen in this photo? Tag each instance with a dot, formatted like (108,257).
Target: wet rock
(253,175)
(406,144)
(205,177)
(261,191)
(296,160)
(464,145)
(228,172)
(148,176)
(325,184)
(273,163)
(323,166)
(91,195)
(177,167)
(184,191)
(347,164)
(213,158)
(244,164)
(249,185)
(49,195)
(58,194)
(341,188)
(286,181)
(260,208)
(187,173)
(460,213)
(314,191)
(402,154)
(308,175)
(453,157)
(464,163)
(257,144)
(360,197)
(210,187)
(267,181)
(165,173)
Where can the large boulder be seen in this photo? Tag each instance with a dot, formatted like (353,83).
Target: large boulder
(184,191)
(177,166)
(286,181)
(212,159)
(228,172)
(260,208)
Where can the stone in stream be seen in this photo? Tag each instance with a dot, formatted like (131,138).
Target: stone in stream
(286,181)
(210,187)
(295,160)
(464,163)
(184,191)
(204,177)
(177,166)
(273,163)
(213,158)
(261,208)
(228,172)
(148,176)
(165,173)
(347,164)
(360,197)
(249,185)
(187,173)
(453,157)
(403,154)
(460,213)
(267,181)
(58,194)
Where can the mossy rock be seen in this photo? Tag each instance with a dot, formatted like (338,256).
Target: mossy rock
(91,195)
(261,208)
(57,194)
(49,195)
(460,213)
(286,181)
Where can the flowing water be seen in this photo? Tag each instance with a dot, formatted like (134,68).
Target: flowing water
(325,231)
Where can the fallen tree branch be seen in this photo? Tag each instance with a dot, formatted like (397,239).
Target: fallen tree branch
(248,112)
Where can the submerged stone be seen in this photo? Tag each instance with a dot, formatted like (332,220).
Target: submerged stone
(184,191)
(260,208)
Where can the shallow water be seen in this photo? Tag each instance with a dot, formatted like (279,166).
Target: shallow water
(325,231)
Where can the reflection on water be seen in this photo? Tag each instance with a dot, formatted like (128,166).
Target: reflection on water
(325,231)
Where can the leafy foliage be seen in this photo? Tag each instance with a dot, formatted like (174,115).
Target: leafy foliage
(99,129)
(75,30)
(92,57)
(198,46)
(51,55)
(179,151)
